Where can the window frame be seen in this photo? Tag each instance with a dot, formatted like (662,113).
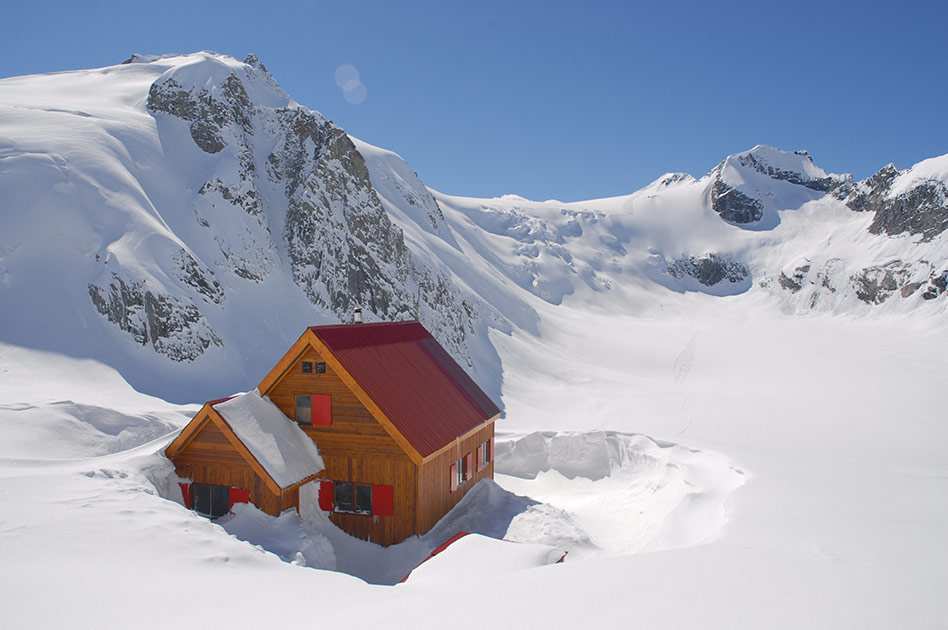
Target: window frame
(215,495)
(353,490)
(381,498)
(308,416)
(322,402)
(462,471)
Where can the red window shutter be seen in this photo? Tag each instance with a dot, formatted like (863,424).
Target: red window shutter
(470,465)
(454,477)
(490,455)
(383,501)
(239,495)
(480,457)
(186,494)
(322,409)
(325,496)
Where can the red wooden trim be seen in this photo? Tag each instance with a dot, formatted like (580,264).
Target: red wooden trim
(383,501)
(325,496)
(490,455)
(322,409)
(454,476)
(239,495)
(186,494)
(480,458)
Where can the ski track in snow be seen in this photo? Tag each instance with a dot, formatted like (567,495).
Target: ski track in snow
(684,360)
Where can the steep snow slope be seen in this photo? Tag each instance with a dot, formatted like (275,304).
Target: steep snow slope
(182,219)
(190,219)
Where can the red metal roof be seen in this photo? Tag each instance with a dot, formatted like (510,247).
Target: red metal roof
(424,392)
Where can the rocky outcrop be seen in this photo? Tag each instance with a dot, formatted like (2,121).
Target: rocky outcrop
(937,286)
(175,328)
(820,184)
(733,205)
(922,209)
(709,270)
(793,282)
(339,242)
(207,111)
(875,285)
(194,274)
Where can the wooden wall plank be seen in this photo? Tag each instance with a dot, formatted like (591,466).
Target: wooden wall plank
(354,448)
(210,458)
(435,498)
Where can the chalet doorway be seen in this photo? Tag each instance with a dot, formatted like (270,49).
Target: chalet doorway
(210,500)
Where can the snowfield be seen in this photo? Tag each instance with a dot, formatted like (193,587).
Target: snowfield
(724,396)
(746,469)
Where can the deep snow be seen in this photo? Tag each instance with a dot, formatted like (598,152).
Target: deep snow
(736,455)
(834,423)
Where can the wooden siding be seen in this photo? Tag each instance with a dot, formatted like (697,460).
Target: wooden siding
(355,447)
(209,457)
(434,478)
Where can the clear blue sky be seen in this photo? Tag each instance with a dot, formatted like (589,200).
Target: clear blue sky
(554,99)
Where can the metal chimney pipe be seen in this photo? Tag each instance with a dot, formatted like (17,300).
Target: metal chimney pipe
(357,316)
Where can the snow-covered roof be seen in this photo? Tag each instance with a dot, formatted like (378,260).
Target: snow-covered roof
(282,448)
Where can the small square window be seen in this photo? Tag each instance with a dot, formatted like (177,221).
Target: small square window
(307,367)
(320,367)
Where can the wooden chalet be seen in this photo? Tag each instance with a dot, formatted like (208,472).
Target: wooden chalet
(402,433)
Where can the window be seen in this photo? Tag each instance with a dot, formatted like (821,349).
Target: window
(485,454)
(352,498)
(307,367)
(210,500)
(304,410)
(314,409)
(356,498)
(461,471)
(320,367)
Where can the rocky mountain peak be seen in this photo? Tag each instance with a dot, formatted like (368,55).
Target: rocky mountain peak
(671,179)
(740,182)
(912,201)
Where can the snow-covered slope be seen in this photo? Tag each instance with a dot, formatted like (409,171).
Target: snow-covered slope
(740,374)
(183,219)
(764,220)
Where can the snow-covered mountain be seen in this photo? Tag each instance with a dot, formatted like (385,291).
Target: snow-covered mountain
(740,373)
(182,219)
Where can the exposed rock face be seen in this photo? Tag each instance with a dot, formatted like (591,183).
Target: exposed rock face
(207,112)
(192,273)
(175,328)
(733,205)
(341,246)
(821,184)
(937,286)
(709,270)
(744,170)
(873,285)
(795,282)
(922,209)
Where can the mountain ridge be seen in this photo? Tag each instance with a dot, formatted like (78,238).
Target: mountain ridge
(188,209)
